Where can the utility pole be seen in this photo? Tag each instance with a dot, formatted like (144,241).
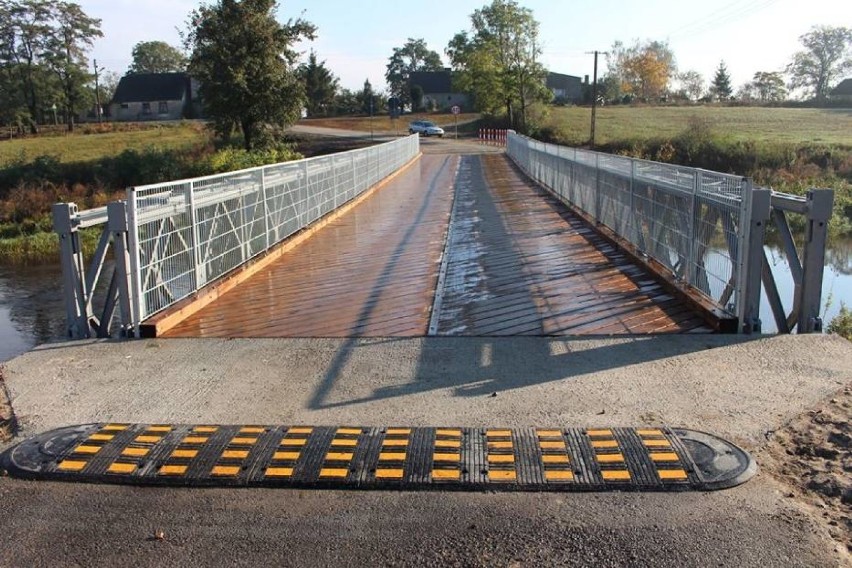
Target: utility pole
(594,96)
(97,90)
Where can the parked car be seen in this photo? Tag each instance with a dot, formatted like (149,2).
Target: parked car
(425,128)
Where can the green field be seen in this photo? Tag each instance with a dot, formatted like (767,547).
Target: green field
(83,147)
(784,125)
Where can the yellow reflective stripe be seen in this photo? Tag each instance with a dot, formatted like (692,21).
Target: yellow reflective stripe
(205,429)
(604,444)
(348,431)
(101,437)
(338,456)
(279,471)
(173,469)
(555,458)
(554,445)
(252,430)
(398,431)
(286,455)
(656,443)
(664,457)
(549,433)
(244,441)
(499,445)
(135,452)
(71,465)
(502,475)
(122,468)
(294,441)
(554,475)
(616,475)
(394,443)
(225,470)
(333,472)
(605,432)
(195,440)
(649,432)
(300,430)
(87,449)
(447,444)
(115,427)
(184,453)
(392,456)
(348,443)
(389,474)
(147,439)
(235,454)
(446,474)
(447,457)
(508,458)
(673,474)
(159,428)
(609,458)
(498,433)
(448,432)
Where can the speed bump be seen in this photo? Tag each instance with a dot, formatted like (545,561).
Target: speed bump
(515,459)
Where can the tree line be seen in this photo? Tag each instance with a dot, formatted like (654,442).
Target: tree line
(647,71)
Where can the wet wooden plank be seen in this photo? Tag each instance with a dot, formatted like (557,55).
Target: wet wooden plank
(522,264)
(372,272)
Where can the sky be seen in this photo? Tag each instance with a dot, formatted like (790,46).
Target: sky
(356,38)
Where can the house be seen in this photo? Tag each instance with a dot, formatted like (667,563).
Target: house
(438,89)
(565,88)
(842,92)
(154,96)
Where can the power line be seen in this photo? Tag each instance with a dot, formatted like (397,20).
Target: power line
(721,19)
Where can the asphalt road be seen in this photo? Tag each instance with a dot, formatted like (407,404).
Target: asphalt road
(739,388)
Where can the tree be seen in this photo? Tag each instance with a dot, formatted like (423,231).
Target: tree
(369,101)
(498,63)
(692,84)
(644,69)
(412,57)
(156,57)
(721,88)
(416,94)
(320,86)
(769,86)
(244,61)
(826,57)
(72,35)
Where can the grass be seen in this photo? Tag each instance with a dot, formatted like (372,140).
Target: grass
(85,147)
(776,125)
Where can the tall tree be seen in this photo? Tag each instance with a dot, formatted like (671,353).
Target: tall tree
(769,86)
(692,84)
(498,62)
(721,87)
(368,99)
(245,62)
(72,35)
(320,86)
(412,57)
(156,57)
(826,57)
(644,69)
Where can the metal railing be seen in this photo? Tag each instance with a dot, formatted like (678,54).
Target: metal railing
(706,228)
(172,239)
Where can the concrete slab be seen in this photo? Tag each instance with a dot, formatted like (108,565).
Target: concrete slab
(738,388)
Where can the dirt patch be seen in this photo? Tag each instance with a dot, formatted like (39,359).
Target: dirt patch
(812,456)
(7,417)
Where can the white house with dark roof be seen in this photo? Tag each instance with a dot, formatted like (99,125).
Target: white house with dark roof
(438,90)
(152,96)
(842,92)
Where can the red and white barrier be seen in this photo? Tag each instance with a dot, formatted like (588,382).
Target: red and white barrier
(493,136)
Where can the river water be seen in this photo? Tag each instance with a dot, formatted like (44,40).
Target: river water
(31,309)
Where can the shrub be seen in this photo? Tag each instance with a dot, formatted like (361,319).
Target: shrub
(842,324)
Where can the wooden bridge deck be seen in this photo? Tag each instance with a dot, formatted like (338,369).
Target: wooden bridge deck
(517,263)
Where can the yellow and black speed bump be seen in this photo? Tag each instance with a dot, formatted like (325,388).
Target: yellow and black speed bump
(541,459)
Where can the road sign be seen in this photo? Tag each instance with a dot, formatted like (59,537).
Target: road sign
(456,109)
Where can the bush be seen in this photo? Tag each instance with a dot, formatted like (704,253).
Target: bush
(842,324)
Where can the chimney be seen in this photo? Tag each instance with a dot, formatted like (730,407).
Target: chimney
(586,80)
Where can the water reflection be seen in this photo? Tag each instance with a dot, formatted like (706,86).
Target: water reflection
(32,312)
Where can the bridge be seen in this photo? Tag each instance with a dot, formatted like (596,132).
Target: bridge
(396,240)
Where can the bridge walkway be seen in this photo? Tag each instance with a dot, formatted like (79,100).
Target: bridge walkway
(514,261)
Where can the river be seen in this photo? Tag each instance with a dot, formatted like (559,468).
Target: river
(31,309)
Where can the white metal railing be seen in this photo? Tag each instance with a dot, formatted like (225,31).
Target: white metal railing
(171,239)
(706,228)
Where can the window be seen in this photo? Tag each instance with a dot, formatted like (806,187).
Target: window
(164,107)
(146,108)
(125,105)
